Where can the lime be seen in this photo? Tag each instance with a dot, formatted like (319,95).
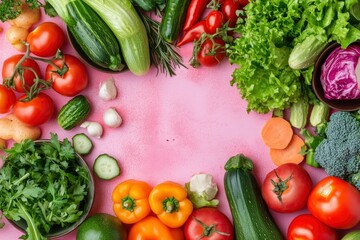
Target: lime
(101,226)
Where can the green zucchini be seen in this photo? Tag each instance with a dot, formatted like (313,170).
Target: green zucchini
(146,5)
(173,19)
(90,33)
(251,217)
(126,24)
(73,112)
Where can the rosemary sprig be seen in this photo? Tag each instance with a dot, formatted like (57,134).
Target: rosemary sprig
(164,55)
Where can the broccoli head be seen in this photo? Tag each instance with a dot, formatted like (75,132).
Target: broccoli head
(339,152)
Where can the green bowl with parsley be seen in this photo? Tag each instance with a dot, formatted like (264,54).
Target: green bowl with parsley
(46,188)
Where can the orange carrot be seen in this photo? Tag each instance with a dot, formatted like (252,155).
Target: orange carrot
(290,154)
(277,133)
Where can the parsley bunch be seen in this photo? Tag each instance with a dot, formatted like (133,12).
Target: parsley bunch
(43,184)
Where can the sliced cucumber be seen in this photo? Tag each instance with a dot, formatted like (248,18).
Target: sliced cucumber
(106,167)
(82,144)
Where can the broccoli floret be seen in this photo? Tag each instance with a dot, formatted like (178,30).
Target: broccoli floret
(339,153)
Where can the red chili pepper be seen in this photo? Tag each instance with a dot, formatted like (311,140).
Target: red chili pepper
(193,34)
(194,12)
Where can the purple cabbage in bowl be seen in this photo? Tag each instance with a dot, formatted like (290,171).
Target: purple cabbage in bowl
(339,73)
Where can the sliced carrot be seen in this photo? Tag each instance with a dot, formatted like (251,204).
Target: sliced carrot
(290,154)
(277,133)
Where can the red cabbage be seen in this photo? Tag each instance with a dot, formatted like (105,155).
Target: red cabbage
(338,74)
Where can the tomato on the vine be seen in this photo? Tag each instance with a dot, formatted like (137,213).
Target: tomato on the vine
(308,227)
(7,99)
(335,202)
(46,39)
(208,223)
(286,188)
(214,20)
(36,111)
(212,52)
(71,76)
(229,9)
(28,74)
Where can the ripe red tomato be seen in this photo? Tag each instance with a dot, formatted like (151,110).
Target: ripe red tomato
(195,226)
(212,52)
(243,3)
(286,188)
(229,8)
(335,202)
(36,111)
(29,76)
(46,39)
(7,99)
(70,80)
(308,227)
(214,20)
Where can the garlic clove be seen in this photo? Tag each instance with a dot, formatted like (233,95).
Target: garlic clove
(112,118)
(108,90)
(93,128)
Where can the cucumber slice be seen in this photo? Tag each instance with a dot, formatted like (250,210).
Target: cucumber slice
(82,144)
(106,167)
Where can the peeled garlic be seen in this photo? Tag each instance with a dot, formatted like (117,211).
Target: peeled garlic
(94,128)
(112,118)
(108,90)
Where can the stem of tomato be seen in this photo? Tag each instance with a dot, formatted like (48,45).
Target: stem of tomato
(280,186)
(208,230)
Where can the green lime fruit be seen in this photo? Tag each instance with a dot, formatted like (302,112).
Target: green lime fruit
(101,226)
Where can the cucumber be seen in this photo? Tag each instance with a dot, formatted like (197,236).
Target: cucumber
(94,37)
(82,144)
(173,19)
(106,167)
(73,112)
(251,216)
(146,5)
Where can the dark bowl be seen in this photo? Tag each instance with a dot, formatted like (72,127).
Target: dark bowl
(86,59)
(342,105)
(88,202)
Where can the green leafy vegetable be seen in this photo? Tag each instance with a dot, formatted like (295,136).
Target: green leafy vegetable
(43,184)
(271,32)
(10,9)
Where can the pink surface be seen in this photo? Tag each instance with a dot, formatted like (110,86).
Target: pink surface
(172,128)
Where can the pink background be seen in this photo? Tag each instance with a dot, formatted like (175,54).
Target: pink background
(172,128)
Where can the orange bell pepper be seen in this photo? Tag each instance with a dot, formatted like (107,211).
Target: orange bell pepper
(131,203)
(150,228)
(169,202)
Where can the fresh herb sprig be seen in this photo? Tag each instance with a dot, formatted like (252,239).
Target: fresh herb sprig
(43,184)
(163,54)
(10,9)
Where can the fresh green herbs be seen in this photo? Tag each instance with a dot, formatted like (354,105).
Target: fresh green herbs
(43,184)
(10,9)
(163,54)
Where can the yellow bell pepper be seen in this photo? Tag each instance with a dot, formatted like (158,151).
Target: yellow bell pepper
(131,203)
(169,202)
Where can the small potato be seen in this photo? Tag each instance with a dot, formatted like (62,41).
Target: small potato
(16,34)
(27,18)
(16,37)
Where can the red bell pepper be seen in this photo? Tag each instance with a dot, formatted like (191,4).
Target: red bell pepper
(194,12)
(193,34)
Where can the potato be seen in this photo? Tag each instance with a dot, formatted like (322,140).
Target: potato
(16,36)
(27,17)
(12,128)
(2,144)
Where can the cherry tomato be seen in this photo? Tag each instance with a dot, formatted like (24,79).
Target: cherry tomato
(286,188)
(195,226)
(36,111)
(46,39)
(229,8)
(72,80)
(29,76)
(214,20)
(7,99)
(212,52)
(243,3)
(335,202)
(308,227)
